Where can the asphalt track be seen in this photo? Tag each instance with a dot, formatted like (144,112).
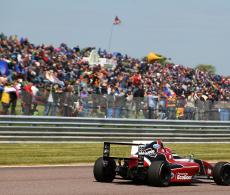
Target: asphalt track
(74,180)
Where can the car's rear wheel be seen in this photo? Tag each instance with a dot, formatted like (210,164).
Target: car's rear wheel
(104,170)
(221,173)
(159,174)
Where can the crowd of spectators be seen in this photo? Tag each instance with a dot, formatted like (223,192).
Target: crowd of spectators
(48,80)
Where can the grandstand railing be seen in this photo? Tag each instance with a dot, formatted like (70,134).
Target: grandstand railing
(32,129)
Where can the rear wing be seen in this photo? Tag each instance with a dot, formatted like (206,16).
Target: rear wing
(140,151)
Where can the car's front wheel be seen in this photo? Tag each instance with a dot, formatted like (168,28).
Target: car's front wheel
(104,170)
(221,173)
(159,174)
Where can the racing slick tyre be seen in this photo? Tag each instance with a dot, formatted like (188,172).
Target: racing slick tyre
(221,173)
(104,171)
(159,174)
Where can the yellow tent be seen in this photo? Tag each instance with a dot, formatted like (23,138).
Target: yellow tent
(152,57)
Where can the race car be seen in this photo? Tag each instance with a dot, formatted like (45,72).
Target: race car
(156,165)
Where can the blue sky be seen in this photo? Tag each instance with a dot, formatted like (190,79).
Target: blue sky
(189,32)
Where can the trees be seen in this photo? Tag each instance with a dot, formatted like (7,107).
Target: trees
(206,68)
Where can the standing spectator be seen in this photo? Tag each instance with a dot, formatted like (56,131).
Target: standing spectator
(152,103)
(138,97)
(171,109)
(129,104)
(180,107)
(103,105)
(13,98)
(223,107)
(35,92)
(190,107)
(84,101)
(110,105)
(5,99)
(52,100)
(200,105)
(68,101)
(27,96)
(163,106)
(119,102)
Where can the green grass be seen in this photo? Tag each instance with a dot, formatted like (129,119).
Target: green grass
(36,154)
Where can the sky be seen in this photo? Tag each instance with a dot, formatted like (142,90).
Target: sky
(189,32)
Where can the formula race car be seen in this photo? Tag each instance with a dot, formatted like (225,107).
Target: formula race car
(156,165)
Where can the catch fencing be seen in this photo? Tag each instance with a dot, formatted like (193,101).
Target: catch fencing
(115,106)
(40,129)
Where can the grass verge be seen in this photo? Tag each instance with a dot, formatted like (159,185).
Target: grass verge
(37,154)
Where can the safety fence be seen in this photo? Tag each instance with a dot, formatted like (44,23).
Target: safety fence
(31,129)
(117,106)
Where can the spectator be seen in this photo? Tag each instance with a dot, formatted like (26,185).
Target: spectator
(129,105)
(171,109)
(180,105)
(223,108)
(84,96)
(138,95)
(152,103)
(119,102)
(68,101)
(163,106)
(110,103)
(190,107)
(27,97)
(52,100)
(5,99)
(13,97)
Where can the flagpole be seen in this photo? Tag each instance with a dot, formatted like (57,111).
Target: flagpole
(110,38)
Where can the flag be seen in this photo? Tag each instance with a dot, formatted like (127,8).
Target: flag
(3,67)
(116,21)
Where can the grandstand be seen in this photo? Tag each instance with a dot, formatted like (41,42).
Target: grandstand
(62,81)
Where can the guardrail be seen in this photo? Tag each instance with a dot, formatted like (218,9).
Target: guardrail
(18,129)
